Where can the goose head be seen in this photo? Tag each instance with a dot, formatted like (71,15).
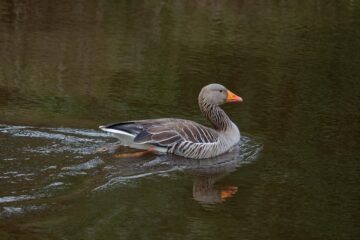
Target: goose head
(217,94)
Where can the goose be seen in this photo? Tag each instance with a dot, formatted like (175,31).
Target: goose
(182,137)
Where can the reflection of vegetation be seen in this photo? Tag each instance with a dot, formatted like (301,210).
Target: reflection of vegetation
(125,57)
(295,63)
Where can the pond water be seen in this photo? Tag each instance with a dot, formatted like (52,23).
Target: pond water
(68,66)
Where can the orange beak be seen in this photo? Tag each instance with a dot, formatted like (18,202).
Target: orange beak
(231,97)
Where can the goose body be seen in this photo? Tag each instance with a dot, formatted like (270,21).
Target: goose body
(184,137)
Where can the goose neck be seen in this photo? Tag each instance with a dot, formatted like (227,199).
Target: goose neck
(217,117)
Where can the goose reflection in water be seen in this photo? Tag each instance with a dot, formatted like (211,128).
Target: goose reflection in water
(205,190)
(206,172)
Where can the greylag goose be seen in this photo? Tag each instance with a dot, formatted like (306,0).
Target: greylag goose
(184,137)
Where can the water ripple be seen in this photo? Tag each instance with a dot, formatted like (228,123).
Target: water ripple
(46,164)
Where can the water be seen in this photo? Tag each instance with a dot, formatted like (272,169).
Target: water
(67,67)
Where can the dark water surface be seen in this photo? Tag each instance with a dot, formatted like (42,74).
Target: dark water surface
(68,66)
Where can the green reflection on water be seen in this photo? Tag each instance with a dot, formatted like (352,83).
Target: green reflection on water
(296,64)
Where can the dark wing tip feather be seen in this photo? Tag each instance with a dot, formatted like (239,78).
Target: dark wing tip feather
(130,127)
(117,125)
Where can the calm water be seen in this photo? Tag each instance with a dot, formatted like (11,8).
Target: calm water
(68,66)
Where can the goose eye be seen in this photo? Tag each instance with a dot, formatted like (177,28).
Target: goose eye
(221,91)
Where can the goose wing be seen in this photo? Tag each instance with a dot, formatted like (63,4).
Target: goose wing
(167,132)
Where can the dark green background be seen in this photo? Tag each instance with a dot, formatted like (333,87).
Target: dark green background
(296,64)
